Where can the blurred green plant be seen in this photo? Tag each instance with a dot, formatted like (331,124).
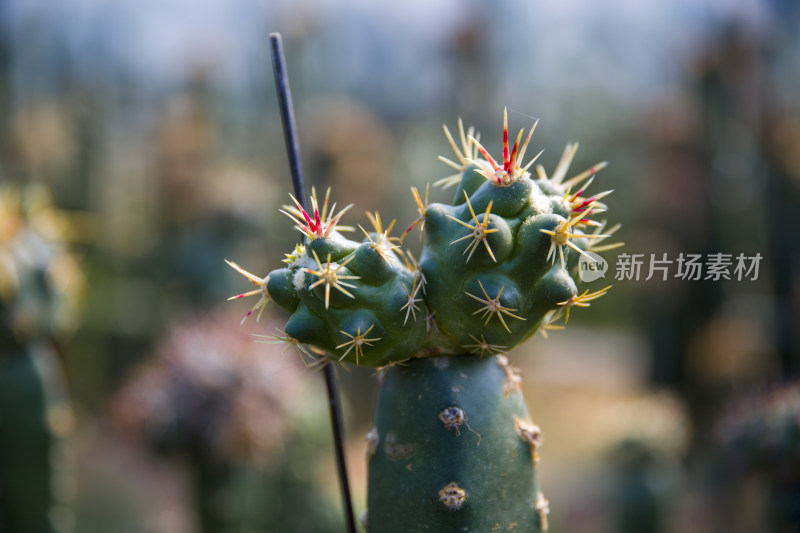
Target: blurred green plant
(239,416)
(759,446)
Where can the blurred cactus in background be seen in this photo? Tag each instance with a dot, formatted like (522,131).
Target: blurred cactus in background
(238,414)
(41,288)
(453,447)
(758,462)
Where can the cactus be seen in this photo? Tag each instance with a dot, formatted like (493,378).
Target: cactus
(453,447)
(223,406)
(445,422)
(758,447)
(40,292)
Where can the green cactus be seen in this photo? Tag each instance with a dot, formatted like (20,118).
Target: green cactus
(40,289)
(345,297)
(444,423)
(494,269)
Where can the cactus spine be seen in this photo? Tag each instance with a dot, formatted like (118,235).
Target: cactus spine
(453,447)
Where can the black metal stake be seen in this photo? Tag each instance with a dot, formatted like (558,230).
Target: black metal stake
(293,151)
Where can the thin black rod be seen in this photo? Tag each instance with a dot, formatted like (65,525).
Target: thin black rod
(293,151)
(287,116)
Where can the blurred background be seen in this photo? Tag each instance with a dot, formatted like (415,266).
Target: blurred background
(140,146)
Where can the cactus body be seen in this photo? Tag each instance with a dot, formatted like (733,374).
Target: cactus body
(346,297)
(452,448)
(511,263)
(448,452)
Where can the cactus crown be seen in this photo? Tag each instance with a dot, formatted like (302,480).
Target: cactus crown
(493,270)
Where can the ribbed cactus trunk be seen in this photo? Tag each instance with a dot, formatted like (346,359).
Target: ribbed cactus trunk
(453,449)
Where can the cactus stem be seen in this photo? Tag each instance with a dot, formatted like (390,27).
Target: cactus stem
(357,342)
(492,306)
(479,231)
(581,300)
(482,347)
(330,278)
(411,304)
(452,496)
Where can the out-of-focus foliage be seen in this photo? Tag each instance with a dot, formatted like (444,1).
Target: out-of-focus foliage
(244,420)
(41,282)
(759,461)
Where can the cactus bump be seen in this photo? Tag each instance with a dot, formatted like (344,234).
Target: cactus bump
(453,447)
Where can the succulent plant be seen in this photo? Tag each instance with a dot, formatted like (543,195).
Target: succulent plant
(758,445)
(453,447)
(225,406)
(40,292)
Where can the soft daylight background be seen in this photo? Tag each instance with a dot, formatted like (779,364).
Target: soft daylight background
(140,146)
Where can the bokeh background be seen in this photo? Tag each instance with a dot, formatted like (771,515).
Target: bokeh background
(140,146)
